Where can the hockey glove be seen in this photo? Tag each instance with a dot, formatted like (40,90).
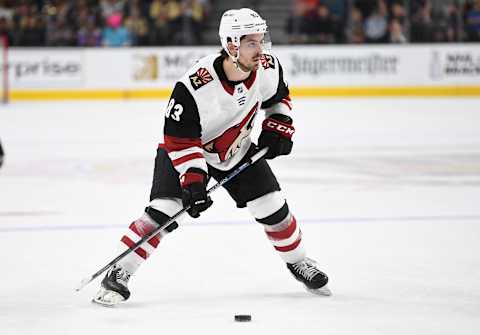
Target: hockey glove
(194,191)
(277,131)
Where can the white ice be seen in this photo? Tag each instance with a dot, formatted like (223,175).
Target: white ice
(386,191)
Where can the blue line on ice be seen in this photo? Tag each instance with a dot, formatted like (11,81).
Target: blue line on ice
(236,222)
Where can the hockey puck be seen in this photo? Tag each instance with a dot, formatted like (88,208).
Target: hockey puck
(243,318)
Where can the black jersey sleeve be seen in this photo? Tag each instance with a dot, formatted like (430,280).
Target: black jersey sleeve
(182,119)
(182,131)
(281,93)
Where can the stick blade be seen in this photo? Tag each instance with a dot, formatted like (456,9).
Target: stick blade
(83,283)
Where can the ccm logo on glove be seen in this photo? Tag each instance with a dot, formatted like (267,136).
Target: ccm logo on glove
(284,129)
(277,131)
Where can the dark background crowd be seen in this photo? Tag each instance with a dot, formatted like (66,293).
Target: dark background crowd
(93,23)
(384,21)
(90,23)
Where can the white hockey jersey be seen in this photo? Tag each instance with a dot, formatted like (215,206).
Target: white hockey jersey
(209,118)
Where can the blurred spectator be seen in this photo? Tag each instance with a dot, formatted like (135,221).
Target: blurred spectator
(31,33)
(192,22)
(141,5)
(64,9)
(174,17)
(60,34)
(159,17)
(85,12)
(59,28)
(472,21)
(167,21)
(453,22)
(396,34)
(89,34)
(397,27)
(114,34)
(354,30)
(111,7)
(366,7)
(301,23)
(6,11)
(422,28)
(137,25)
(5,30)
(398,13)
(324,25)
(295,23)
(30,26)
(376,24)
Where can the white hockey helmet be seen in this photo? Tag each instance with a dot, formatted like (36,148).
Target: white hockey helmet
(236,23)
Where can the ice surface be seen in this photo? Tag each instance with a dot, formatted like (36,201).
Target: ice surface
(386,191)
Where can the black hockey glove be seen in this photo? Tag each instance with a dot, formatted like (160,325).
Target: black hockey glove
(277,131)
(194,191)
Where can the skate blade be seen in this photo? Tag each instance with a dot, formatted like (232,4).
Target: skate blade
(107,298)
(322,291)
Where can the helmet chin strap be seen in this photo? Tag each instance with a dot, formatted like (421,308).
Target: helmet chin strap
(237,63)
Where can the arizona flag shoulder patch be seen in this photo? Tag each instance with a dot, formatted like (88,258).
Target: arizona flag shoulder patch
(267,61)
(200,78)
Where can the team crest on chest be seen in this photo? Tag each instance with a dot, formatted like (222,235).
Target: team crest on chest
(267,61)
(228,144)
(200,78)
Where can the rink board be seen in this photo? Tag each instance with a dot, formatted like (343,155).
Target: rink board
(311,71)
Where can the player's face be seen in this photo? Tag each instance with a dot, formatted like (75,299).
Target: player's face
(250,51)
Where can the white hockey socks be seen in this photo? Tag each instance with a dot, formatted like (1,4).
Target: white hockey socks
(159,211)
(280,225)
(135,232)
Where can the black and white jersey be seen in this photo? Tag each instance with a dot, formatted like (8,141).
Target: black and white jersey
(209,118)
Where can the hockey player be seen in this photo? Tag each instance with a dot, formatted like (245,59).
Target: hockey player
(207,134)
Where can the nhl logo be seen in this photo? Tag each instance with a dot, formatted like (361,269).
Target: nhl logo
(240,94)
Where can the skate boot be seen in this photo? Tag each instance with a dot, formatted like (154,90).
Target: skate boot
(306,271)
(114,287)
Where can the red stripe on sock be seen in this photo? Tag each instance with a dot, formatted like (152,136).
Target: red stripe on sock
(154,241)
(283,234)
(290,247)
(140,252)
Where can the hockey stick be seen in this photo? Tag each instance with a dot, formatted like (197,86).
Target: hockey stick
(153,233)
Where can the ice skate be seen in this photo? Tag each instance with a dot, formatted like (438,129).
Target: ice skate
(306,271)
(114,288)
